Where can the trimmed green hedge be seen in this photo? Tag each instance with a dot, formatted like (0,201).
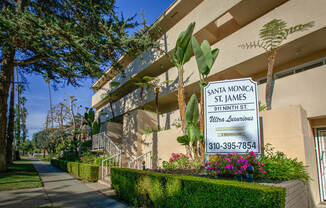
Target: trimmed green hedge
(81,170)
(148,189)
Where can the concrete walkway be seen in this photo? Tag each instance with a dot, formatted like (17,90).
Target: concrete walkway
(65,191)
(24,198)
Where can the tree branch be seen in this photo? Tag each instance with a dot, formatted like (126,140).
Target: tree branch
(30,60)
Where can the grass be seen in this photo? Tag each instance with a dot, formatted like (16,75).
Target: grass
(19,176)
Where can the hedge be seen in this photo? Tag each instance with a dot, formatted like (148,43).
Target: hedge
(148,189)
(81,170)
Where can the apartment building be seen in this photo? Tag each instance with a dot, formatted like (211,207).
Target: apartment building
(297,123)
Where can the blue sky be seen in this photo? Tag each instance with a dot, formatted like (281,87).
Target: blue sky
(37,92)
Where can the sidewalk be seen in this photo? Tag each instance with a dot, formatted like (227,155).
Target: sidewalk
(65,191)
(24,198)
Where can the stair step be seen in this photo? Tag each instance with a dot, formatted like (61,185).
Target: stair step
(106,183)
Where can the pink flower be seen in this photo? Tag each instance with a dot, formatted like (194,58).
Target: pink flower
(259,169)
(236,172)
(218,171)
(264,171)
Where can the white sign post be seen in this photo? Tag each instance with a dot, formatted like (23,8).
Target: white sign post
(231,117)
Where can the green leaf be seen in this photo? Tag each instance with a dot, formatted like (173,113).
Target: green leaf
(187,54)
(148,78)
(192,111)
(193,132)
(187,36)
(199,55)
(184,140)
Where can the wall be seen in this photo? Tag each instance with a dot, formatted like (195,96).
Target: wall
(135,124)
(231,56)
(289,131)
(305,88)
(296,194)
(165,143)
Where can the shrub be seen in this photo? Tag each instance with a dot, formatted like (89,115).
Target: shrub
(280,167)
(178,161)
(81,170)
(148,189)
(235,164)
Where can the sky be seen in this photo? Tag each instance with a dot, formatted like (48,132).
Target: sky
(37,92)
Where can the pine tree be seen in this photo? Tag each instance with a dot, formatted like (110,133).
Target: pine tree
(64,40)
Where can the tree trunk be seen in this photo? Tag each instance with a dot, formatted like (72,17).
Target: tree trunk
(6,74)
(270,79)
(181,99)
(11,122)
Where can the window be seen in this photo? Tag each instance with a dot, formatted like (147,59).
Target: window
(295,70)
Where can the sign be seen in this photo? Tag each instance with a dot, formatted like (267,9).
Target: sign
(231,117)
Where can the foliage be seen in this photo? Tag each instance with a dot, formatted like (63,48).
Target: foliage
(181,55)
(274,33)
(72,44)
(183,48)
(280,167)
(271,37)
(90,120)
(84,171)
(84,146)
(235,164)
(64,41)
(20,176)
(92,158)
(192,134)
(148,189)
(26,147)
(178,161)
(205,57)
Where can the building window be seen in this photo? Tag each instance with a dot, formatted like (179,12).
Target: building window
(295,70)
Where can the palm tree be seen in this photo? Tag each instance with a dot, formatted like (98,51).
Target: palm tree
(271,37)
(155,84)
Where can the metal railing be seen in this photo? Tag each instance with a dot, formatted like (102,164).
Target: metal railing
(113,161)
(137,163)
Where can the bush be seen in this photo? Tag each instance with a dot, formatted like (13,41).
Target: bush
(148,189)
(178,161)
(60,164)
(280,167)
(235,164)
(81,170)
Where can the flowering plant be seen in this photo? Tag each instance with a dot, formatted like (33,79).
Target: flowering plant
(178,161)
(235,164)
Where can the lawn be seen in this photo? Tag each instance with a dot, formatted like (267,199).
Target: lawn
(20,176)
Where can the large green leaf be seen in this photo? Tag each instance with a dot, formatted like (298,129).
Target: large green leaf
(192,111)
(193,132)
(183,50)
(184,140)
(187,54)
(187,35)
(199,55)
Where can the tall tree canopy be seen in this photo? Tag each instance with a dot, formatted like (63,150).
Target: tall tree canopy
(62,40)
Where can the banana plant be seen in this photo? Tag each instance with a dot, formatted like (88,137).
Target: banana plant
(181,55)
(205,58)
(192,132)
